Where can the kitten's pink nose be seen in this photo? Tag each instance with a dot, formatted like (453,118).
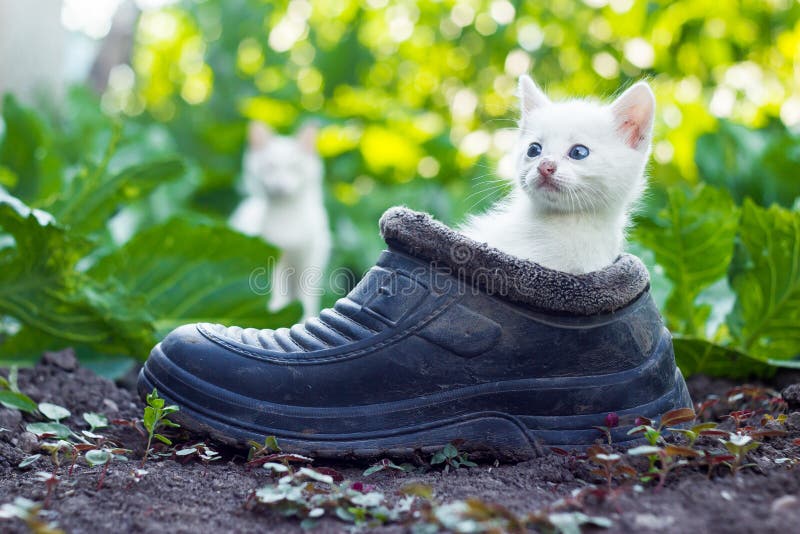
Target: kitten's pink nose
(547,168)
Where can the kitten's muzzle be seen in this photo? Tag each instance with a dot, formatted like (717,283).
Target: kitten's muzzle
(547,168)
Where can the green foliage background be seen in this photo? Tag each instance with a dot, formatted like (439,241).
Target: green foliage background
(416,102)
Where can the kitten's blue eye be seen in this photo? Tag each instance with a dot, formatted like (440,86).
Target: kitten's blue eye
(578,152)
(534,150)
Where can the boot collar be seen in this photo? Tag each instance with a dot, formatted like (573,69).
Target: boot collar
(515,279)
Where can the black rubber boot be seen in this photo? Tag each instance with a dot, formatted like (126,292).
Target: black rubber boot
(444,339)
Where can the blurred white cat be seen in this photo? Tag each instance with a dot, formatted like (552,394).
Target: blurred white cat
(580,170)
(283,204)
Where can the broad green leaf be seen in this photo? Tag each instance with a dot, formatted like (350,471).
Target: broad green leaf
(26,150)
(759,164)
(692,239)
(95,420)
(41,287)
(149,419)
(54,412)
(97,457)
(56,430)
(16,400)
(699,356)
(95,195)
(188,272)
(766,316)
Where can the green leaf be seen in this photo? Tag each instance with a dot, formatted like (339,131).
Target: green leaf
(373,469)
(95,420)
(149,419)
(56,430)
(271,444)
(29,460)
(19,401)
(699,356)
(202,272)
(759,164)
(54,412)
(450,451)
(692,239)
(97,457)
(41,286)
(163,439)
(644,449)
(27,151)
(95,196)
(766,316)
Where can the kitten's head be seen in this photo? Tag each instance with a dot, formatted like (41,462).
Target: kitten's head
(584,156)
(279,166)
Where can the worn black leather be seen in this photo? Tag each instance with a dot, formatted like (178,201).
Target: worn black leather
(415,357)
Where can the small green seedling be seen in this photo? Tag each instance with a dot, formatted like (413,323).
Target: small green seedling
(96,421)
(202,451)
(155,417)
(310,495)
(703,429)
(270,452)
(652,434)
(739,445)
(54,412)
(669,458)
(451,457)
(11,396)
(385,465)
(270,446)
(609,464)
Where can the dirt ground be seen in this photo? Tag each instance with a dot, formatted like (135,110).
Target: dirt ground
(195,497)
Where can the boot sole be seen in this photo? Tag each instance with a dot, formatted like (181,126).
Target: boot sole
(421,425)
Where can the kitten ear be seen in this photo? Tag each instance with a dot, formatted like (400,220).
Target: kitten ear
(307,137)
(634,111)
(530,96)
(258,134)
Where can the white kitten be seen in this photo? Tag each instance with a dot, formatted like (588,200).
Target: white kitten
(284,205)
(580,169)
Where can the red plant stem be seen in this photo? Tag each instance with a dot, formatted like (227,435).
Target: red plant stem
(72,465)
(50,485)
(103,475)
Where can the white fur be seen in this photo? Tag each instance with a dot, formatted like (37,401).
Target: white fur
(578,224)
(284,205)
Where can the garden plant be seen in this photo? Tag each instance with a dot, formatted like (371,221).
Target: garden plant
(114,206)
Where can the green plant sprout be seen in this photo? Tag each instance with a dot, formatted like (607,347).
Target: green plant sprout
(609,464)
(270,452)
(310,495)
(156,417)
(11,396)
(739,445)
(387,464)
(451,457)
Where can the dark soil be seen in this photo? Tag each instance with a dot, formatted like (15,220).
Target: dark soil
(193,497)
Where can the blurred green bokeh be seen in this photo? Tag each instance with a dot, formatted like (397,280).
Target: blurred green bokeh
(417,98)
